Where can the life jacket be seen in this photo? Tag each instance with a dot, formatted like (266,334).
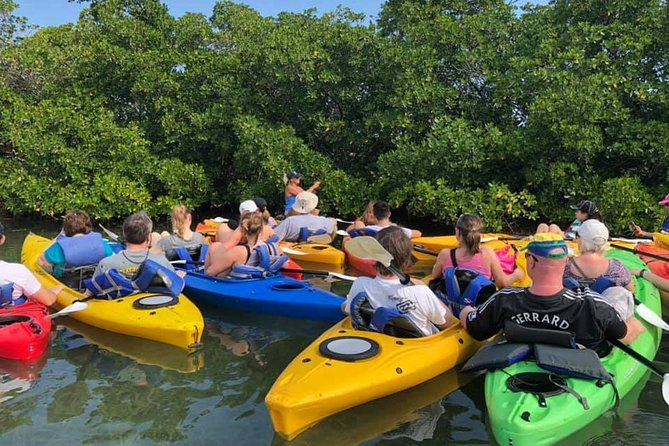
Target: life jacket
(194,256)
(7,296)
(464,287)
(269,262)
(362,232)
(82,250)
(305,233)
(553,350)
(382,320)
(598,284)
(151,277)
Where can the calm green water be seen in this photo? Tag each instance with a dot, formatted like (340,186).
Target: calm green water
(97,388)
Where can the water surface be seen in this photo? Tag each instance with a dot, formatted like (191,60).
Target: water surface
(97,388)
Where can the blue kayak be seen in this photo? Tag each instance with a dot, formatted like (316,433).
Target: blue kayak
(276,295)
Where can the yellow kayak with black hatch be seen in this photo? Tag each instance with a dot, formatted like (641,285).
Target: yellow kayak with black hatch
(167,319)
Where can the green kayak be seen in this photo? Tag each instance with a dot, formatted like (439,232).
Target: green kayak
(518,417)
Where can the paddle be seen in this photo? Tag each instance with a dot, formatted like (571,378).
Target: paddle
(344,221)
(318,273)
(648,363)
(650,316)
(77,306)
(645,254)
(114,237)
(369,248)
(294,252)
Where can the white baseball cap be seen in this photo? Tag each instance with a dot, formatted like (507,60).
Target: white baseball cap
(247,206)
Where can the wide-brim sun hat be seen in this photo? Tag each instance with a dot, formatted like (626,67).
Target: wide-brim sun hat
(305,202)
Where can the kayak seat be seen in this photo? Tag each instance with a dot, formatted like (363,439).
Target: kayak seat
(74,277)
(382,320)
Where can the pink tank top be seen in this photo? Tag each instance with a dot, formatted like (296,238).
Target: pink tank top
(474,263)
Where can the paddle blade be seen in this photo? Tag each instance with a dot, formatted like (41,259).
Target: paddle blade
(342,233)
(294,252)
(665,388)
(77,306)
(651,317)
(344,221)
(342,276)
(366,247)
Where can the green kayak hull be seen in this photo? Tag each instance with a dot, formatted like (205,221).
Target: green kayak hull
(519,418)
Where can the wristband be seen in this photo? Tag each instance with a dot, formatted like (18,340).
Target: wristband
(640,274)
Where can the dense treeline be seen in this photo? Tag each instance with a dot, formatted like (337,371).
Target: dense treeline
(442,106)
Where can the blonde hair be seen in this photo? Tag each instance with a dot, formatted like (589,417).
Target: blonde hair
(368,217)
(251,224)
(180,214)
(470,227)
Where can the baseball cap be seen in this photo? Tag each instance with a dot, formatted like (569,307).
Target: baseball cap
(293,174)
(247,206)
(664,202)
(586,206)
(595,232)
(261,203)
(548,245)
(305,202)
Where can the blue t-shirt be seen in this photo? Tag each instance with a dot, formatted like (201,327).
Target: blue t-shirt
(665,225)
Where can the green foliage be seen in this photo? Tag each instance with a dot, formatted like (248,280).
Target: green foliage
(495,204)
(445,106)
(625,200)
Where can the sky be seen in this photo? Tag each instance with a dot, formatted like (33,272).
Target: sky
(58,12)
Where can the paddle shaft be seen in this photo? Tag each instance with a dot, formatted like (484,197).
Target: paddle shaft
(641,253)
(313,272)
(636,355)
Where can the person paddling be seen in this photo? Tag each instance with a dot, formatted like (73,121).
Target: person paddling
(547,304)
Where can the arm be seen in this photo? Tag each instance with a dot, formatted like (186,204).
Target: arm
(501,278)
(636,229)
(314,186)
(634,329)
(46,296)
(224,262)
(653,278)
(438,268)
(233,239)
(415,233)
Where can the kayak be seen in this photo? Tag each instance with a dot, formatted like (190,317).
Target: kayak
(173,321)
(661,240)
(142,351)
(652,248)
(316,253)
(314,386)
(517,417)
(276,295)
(417,410)
(24,331)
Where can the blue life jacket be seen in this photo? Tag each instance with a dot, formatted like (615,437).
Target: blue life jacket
(382,320)
(305,233)
(82,250)
(184,253)
(465,287)
(269,263)
(6,296)
(151,277)
(665,225)
(289,203)
(362,232)
(598,285)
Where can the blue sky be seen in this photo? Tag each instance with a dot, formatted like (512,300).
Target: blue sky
(58,12)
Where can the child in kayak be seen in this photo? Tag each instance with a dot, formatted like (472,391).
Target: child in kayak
(636,229)
(415,301)
(471,255)
(76,245)
(182,235)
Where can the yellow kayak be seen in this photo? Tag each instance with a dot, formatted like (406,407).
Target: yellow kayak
(661,240)
(179,324)
(314,386)
(316,253)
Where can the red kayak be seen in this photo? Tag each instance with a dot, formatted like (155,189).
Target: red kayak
(24,331)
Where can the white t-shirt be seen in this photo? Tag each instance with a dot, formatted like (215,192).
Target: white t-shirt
(289,229)
(24,281)
(377,228)
(417,302)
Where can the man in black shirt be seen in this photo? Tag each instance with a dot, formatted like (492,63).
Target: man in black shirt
(547,304)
